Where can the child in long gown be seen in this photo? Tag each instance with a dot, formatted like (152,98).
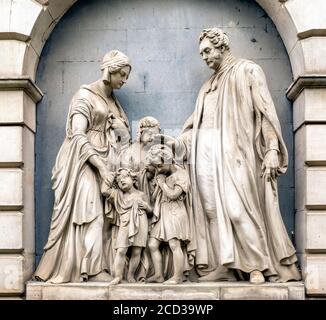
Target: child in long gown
(170,223)
(131,207)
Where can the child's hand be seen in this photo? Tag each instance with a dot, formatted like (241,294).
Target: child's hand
(150,168)
(160,179)
(142,205)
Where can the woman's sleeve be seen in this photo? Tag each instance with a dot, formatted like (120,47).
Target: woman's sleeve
(79,105)
(83,107)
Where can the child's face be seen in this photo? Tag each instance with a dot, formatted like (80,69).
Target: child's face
(163,168)
(148,134)
(125,182)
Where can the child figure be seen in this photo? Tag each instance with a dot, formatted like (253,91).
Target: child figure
(131,207)
(170,223)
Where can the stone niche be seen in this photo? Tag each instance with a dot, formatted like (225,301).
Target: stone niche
(161,39)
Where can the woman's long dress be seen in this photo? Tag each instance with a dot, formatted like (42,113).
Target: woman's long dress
(75,247)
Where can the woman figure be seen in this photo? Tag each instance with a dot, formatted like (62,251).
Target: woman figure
(97,129)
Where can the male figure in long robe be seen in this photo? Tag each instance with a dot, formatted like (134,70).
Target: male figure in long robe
(235,149)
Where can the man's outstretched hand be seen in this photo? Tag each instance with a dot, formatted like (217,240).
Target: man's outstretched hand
(165,139)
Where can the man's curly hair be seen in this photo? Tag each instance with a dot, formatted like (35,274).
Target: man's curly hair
(216,36)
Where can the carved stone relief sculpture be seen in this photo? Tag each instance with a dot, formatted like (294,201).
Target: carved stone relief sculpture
(133,212)
(235,152)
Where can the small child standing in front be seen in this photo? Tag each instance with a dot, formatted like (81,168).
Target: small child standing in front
(131,206)
(170,223)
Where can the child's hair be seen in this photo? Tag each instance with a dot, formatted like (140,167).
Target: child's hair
(147,122)
(130,173)
(159,154)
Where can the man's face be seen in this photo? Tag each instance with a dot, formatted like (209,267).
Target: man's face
(211,55)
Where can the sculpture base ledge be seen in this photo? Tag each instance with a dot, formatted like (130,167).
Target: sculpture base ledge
(188,291)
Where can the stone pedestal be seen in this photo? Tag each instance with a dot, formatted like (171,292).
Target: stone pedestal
(187,291)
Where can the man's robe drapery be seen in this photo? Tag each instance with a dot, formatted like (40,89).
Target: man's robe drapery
(243,100)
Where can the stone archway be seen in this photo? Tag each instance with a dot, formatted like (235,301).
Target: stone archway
(167,73)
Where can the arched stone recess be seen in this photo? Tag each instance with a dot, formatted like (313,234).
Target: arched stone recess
(300,25)
(54,10)
(73,52)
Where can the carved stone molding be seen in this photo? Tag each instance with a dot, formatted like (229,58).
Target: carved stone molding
(43,2)
(14,36)
(302,82)
(22,83)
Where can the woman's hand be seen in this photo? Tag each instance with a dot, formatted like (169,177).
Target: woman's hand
(270,165)
(107,176)
(117,123)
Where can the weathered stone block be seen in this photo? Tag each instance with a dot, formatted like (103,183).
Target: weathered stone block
(307,16)
(310,231)
(11,274)
(23,15)
(316,144)
(300,231)
(203,291)
(28,192)
(310,145)
(314,273)
(300,151)
(190,291)
(309,107)
(5,16)
(123,292)
(59,7)
(316,235)
(310,186)
(296,291)
(12,53)
(11,231)
(16,107)
(69,291)
(307,56)
(254,293)
(30,63)
(315,188)
(11,146)
(11,188)
(41,31)
(300,189)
